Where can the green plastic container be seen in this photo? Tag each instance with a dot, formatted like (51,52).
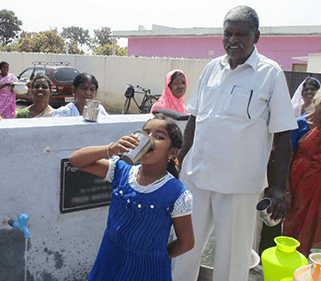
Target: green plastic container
(281,261)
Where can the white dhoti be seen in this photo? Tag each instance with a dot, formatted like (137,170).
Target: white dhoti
(232,217)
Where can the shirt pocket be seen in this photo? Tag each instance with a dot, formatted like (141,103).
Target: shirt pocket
(246,103)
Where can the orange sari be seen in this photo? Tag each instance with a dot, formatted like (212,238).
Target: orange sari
(303,220)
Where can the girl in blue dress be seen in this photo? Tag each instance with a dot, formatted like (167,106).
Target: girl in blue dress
(146,201)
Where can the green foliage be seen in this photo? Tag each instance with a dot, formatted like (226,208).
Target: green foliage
(46,42)
(107,50)
(120,51)
(80,35)
(9,26)
(102,36)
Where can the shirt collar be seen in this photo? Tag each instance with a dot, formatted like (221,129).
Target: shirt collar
(251,61)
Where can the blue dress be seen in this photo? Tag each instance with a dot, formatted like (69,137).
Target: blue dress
(299,132)
(138,227)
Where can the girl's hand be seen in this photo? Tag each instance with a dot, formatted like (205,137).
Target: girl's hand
(123,144)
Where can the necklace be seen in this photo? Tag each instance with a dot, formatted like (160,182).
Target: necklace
(154,182)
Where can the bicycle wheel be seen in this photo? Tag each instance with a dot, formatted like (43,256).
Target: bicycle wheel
(147,104)
(126,106)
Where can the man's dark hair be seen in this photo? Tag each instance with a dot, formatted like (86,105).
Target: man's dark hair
(244,13)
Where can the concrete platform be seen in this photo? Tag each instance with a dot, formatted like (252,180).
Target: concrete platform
(255,274)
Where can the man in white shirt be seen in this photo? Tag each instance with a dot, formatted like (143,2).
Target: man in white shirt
(240,105)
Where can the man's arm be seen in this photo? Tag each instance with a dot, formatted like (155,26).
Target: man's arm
(188,139)
(277,192)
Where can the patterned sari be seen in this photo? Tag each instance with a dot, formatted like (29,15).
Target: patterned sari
(7,98)
(303,220)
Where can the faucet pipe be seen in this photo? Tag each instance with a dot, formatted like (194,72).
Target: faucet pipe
(21,224)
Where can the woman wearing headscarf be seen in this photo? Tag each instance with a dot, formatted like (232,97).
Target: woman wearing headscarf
(173,94)
(303,95)
(7,96)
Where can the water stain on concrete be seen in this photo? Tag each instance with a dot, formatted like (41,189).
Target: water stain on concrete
(58,260)
(12,250)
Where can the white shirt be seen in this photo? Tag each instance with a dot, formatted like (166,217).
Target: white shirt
(183,205)
(71,110)
(237,112)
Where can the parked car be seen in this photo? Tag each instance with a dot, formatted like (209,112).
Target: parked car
(61,75)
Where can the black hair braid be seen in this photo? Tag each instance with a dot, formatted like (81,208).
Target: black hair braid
(172,168)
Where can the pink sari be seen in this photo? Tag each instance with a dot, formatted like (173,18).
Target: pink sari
(7,98)
(168,100)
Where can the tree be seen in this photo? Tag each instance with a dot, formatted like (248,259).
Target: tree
(80,35)
(102,36)
(107,50)
(103,43)
(9,26)
(47,42)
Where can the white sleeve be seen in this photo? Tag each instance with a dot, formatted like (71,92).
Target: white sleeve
(111,170)
(183,205)
(282,116)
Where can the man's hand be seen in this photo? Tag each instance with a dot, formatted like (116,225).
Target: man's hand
(279,205)
(277,192)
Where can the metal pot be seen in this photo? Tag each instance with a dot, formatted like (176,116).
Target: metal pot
(91,110)
(20,88)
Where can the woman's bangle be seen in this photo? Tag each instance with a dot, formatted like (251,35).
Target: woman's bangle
(109,156)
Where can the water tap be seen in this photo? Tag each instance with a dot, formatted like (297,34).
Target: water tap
(21,224)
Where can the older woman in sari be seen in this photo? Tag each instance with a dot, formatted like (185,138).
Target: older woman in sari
(41,91)
(173,94)
(7,96)
(303,219)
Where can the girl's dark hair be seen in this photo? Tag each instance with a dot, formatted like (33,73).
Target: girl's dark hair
(41,76)
(3,63)
(176,137)
(312,81)
(85,77)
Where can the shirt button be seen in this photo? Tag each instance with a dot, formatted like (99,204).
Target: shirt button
(121,192)
(139,205)
(152,206)
(128,200)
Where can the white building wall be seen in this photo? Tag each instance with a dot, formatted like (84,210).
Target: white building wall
(314,63)
(114,73)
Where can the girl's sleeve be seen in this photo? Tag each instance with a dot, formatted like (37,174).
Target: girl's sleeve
(183,205)
(111,170)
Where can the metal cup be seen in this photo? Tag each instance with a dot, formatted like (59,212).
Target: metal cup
(261,208)
(91,110)
(134,155)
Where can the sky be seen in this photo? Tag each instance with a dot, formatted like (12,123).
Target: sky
(129,14)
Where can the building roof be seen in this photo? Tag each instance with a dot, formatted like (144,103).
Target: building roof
(165,31)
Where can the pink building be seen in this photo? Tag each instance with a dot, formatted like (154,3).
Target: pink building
(287,45)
